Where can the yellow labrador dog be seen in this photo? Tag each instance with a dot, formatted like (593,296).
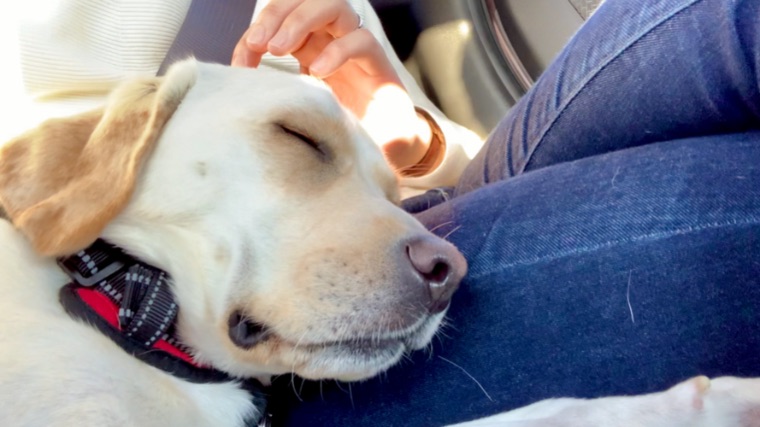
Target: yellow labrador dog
(250,195)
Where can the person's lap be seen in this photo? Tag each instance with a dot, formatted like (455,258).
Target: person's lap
(621,273)
(594,274)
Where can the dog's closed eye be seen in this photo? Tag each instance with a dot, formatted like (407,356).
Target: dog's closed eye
(311,142)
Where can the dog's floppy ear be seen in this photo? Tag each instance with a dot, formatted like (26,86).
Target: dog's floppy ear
(62,182)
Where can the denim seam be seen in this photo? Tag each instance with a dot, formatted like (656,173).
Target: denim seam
(612,243)
(593,74)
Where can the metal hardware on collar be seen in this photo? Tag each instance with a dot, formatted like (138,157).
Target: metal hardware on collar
(91,266)
(95,278)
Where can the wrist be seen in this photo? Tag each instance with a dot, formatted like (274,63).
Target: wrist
(410,138)
(420,150)
(408,147)
(435,146)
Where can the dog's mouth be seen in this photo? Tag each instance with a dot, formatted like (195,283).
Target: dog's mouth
(348,359)
(360,358)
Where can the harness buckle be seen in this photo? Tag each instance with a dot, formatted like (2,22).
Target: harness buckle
(92,280)
(94,264)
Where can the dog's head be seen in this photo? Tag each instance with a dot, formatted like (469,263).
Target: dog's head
(274,213)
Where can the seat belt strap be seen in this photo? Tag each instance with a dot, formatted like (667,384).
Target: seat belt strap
(210,31)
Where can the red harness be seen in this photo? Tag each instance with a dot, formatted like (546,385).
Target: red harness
(108,311)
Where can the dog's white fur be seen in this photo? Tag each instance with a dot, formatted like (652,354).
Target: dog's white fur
(243,216)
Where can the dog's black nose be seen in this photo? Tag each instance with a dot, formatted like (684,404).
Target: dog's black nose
(439,265)
(244,332)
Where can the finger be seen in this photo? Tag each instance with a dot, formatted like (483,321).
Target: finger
(243,56)
(361,48)
(335,17)
(268,22)
(311,49)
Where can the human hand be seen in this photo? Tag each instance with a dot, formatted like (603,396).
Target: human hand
(324,36)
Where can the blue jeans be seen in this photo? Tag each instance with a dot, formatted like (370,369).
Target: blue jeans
(611,224)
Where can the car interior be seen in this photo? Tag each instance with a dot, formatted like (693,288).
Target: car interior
(476,58)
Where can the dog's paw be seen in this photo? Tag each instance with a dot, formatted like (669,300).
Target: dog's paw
(720,402)
(680,406)
(732,401)
(696,402)
(687,396)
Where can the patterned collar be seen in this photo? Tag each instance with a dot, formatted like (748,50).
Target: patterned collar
(131,302)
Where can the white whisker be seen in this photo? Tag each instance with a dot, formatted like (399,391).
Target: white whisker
(628,297)
(293,369)
(469,375)
(441,225)
(429,349)
(300,389)
(351,395)
(451,232)
(293,386)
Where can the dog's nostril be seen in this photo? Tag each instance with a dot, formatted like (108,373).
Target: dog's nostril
(438,274)
(244,332)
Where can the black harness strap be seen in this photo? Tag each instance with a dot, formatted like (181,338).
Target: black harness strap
(142,313)
(146,307)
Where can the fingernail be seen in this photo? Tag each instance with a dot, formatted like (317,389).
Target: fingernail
(256,36)
(317,68)
(280,41)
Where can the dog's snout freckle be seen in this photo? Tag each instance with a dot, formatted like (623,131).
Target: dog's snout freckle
(201,168)
(221,255)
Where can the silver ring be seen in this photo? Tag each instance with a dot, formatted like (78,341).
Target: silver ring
(361,22)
